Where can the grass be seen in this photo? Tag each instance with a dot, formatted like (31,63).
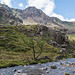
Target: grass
(13,50)
(72,37)
(71,49)
(12,58)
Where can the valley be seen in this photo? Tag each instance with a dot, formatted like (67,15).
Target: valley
(29,37)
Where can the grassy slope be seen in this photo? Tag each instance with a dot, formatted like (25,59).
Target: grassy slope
(71,38)
(65,24)
(13,51)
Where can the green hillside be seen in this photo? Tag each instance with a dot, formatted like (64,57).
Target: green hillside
(15,51)
(64,24)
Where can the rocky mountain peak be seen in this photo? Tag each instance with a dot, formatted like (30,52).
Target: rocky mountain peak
(32,11)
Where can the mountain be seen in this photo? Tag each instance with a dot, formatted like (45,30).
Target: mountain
(63,23)
(34,16)
(6,18)
(6,7)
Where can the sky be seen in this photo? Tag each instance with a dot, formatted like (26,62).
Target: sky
(62,9)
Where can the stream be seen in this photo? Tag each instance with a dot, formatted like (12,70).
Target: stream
(63,66)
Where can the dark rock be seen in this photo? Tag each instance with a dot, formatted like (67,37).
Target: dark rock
(47,72)
(12,22)
(73,55)
(54,67)
(44,57)
(61,63)
(59,57)
(14,70)
(2,37)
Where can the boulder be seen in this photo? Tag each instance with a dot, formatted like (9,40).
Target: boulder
(20,74)
(63,68)
(54,67)
(14,70)
(44,58)
(73,72)
(59,57)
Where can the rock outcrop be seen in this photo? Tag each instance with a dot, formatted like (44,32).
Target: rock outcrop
(7,18)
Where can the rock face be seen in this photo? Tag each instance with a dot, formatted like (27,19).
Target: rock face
(33,15)
(57,38)
(7,18)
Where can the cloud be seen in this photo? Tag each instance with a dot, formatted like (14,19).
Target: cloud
(61,17)
(21,5)
(58,16)
(70,20)
(7,2)
(46,5)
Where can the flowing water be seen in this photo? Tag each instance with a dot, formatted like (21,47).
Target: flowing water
(42,69)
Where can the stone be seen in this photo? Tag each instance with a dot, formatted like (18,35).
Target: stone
(73,72)
(25,65)
(59,68)
(63,68)
(60,57)
(61,63)
(20,71)
(2,37)
(47,72)
(54,67)
(44,58)
(67,65)
(70,69)
(45,68)
(14,70)
(20,74)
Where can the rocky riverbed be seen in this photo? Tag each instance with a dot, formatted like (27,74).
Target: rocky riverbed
(51,68)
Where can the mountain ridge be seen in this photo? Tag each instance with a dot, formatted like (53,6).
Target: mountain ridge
(6,18)
(34,16)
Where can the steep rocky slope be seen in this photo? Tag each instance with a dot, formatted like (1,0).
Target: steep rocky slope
(6,18)
(11,33)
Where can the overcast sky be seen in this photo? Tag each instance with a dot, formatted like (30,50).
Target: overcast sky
(63,9)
